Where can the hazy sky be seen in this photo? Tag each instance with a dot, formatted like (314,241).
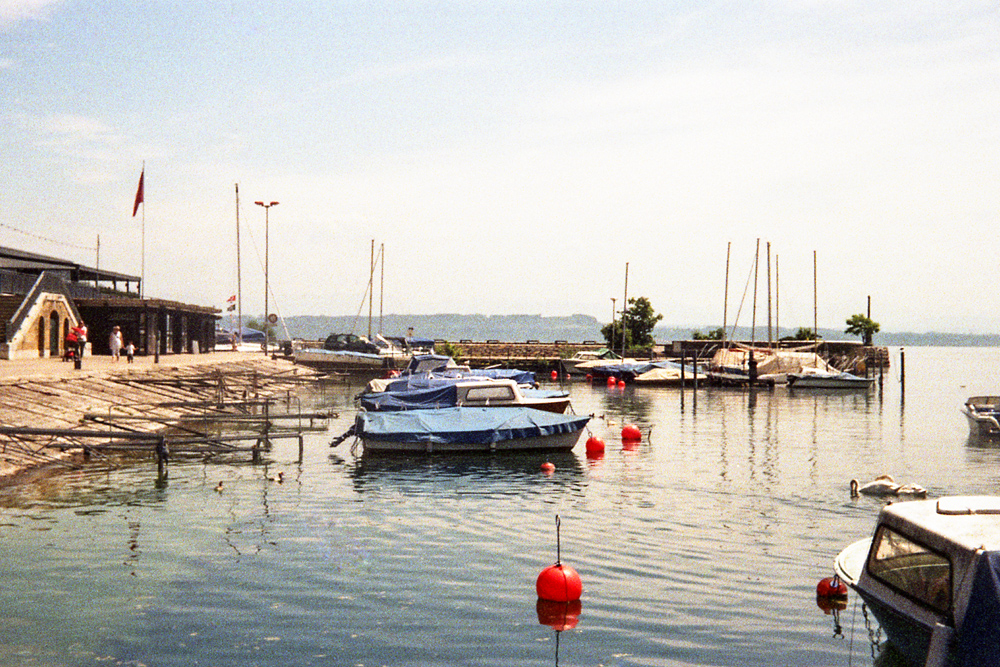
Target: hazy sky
(513,156)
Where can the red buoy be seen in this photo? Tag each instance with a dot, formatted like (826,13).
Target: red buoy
(590,378)
(555,375)
(621,384)
(612,381)
(548,467)
(595,446)
(831,588)
(631,432)
(559,583)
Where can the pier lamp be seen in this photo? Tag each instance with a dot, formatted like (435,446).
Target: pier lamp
(267,208)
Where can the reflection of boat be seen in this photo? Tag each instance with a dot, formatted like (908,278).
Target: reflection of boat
(931,576)
(472,391)
(464,429)
(983,413)
(824,380)
(571,365)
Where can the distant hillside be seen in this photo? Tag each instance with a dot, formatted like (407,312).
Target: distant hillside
(575,329)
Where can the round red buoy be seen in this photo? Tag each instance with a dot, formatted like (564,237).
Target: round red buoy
(590,378)
(555,375)
(548,467)
(595,446)
(612,381)
(559,583)
(631,432)
(558,615)
(831,587)
(621,384)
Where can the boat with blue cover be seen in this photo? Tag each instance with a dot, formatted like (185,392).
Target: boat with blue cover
(931,576)
(476,392)
(467,429)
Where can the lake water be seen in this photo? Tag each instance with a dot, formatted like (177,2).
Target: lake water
(702,546)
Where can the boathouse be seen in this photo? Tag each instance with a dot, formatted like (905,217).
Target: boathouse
(42,298)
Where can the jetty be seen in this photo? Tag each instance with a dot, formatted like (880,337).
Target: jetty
(53,414)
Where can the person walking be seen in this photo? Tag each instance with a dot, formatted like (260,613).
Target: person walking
(115,343)
(130,352)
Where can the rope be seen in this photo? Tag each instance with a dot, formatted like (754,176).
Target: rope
(45,238)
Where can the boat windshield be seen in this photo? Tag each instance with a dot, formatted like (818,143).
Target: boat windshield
(912,569)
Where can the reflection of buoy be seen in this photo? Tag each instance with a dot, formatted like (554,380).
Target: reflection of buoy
(559,582)
(558,615)
(830,605)
(555,375)
(831,588)
(631,432)
(548,467)
(595,446)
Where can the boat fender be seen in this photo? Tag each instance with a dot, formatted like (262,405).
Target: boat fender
(831,587)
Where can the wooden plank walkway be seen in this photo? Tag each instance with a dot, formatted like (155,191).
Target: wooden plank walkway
(51,418)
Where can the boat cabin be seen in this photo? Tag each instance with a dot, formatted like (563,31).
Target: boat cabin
(931,575)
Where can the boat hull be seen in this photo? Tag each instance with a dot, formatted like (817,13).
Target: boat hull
(982,413)
(466,429)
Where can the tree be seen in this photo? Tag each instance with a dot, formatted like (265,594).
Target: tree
(860,325)
(803,333)
(714,334)
(637,323)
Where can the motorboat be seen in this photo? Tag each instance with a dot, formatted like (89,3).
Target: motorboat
(669,374)
(347,353)
(425,371)
(467,429)
(931,577)
(983,414)
(570,366)
(828,380)
(471,391)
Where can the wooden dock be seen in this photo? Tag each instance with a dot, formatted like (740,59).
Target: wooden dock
(163,411)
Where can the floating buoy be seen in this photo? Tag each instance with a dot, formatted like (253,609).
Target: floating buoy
(612,381)
(831,588)
(558,582)
(631,432)
(548,467)
(558,615)
(621,384)
(595,446)
(590,378)
(554,375)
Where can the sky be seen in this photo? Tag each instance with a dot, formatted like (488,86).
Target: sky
(514,157)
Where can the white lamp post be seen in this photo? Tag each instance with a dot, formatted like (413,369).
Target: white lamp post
(267,208)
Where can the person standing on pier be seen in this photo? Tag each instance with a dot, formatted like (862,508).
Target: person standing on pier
(115,342)
(130,352)
(81,338)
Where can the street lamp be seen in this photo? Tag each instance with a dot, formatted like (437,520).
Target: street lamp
(612,337)
(267,208)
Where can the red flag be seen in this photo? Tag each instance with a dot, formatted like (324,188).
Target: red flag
(231,299)
(139,193)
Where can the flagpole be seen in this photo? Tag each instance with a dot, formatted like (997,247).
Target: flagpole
(142,274)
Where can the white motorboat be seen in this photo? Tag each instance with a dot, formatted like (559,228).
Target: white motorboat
(571,366)
(825,380)
(931,576)
(346,353)
(983,413)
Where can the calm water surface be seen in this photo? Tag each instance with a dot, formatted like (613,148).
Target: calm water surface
(702,546)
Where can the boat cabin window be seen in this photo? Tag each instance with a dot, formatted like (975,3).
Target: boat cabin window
(911,568)
(499,393)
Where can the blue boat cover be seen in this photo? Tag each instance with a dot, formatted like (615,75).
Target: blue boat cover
(480,426)
(978,639)
(444,396)
(442,378)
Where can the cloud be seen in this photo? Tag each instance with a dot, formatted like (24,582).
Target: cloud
(13,12)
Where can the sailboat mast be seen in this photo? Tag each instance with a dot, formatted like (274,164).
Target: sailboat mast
(753,319)
(815,326)
(725,295)
(239,276)
(381,287)
(624,309)
(777,302)
(371,276)
(770,337)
